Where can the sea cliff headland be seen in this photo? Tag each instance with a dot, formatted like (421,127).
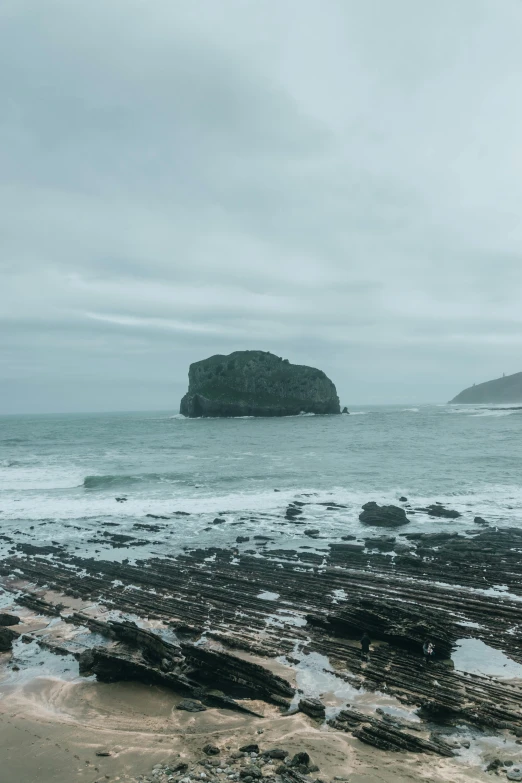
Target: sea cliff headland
(500,391)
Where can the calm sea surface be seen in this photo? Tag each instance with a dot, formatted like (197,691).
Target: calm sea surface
(60,475)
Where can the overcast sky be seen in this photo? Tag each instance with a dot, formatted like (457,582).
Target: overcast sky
(336,181)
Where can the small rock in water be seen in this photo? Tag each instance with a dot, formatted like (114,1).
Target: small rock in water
(383,516)
(515,773)
(438,510)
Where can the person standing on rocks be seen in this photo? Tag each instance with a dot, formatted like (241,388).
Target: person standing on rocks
(428,649)
(365,645)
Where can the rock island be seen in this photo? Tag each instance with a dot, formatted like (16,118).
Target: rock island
(256,383)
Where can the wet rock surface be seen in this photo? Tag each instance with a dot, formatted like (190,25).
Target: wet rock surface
(383,516)
(313,707)
(209,616)
(7,636)
(438,510)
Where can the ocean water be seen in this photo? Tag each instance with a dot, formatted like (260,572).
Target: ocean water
(60,475)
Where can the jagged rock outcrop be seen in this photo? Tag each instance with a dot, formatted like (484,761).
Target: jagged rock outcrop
(501,390)
(256,383)
(189,669)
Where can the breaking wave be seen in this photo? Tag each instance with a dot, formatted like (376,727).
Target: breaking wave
(127,480)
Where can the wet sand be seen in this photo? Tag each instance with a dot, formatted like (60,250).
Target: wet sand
(50,731)
(52,726)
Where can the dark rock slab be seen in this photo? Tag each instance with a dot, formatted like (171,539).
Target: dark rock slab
(8,619)
(7,637)
(386,737)
(387,734)
(383,543)
(314,708)
(383,516)
(39,605)
(243,679)
(438,510)
(191,705)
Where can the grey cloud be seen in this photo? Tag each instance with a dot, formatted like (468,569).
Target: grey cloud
(337,183)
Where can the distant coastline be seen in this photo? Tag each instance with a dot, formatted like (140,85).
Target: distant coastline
(505,390)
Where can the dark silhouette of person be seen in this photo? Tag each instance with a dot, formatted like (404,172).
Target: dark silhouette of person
(365,645)
(428,648)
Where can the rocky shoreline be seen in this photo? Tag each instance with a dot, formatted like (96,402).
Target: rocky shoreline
(214,624)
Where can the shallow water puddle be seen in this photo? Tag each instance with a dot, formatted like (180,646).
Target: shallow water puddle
(315,678)
(475,657)
(286,617)
(266,595)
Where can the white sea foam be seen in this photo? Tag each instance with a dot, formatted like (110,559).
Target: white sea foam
(499,504)
(494,413)
(27,477)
